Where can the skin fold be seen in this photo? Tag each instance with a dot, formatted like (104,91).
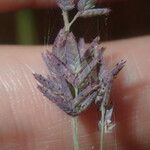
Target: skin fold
(29,121)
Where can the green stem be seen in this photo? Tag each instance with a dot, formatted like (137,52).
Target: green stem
(75,133)
(75,128)
(102,126)
(74,19)
(66,20)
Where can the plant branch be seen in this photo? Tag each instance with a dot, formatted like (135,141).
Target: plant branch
(75,133)
(75,128)
(66,20)
(102,126)
(74,19)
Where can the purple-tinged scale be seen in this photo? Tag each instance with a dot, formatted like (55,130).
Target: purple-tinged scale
(85,4)
(89,90)
(95,12)
(72,53)
(77,75)
(65,4)
(47,83)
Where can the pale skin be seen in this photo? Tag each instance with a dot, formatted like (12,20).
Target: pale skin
(28,121)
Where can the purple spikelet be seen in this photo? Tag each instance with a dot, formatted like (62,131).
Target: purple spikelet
(78,75)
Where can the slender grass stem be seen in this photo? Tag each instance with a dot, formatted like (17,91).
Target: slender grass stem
(68,24)
(74,19)
(75,128)
(74,119)
(102,127)
(66,20)
(75,133)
